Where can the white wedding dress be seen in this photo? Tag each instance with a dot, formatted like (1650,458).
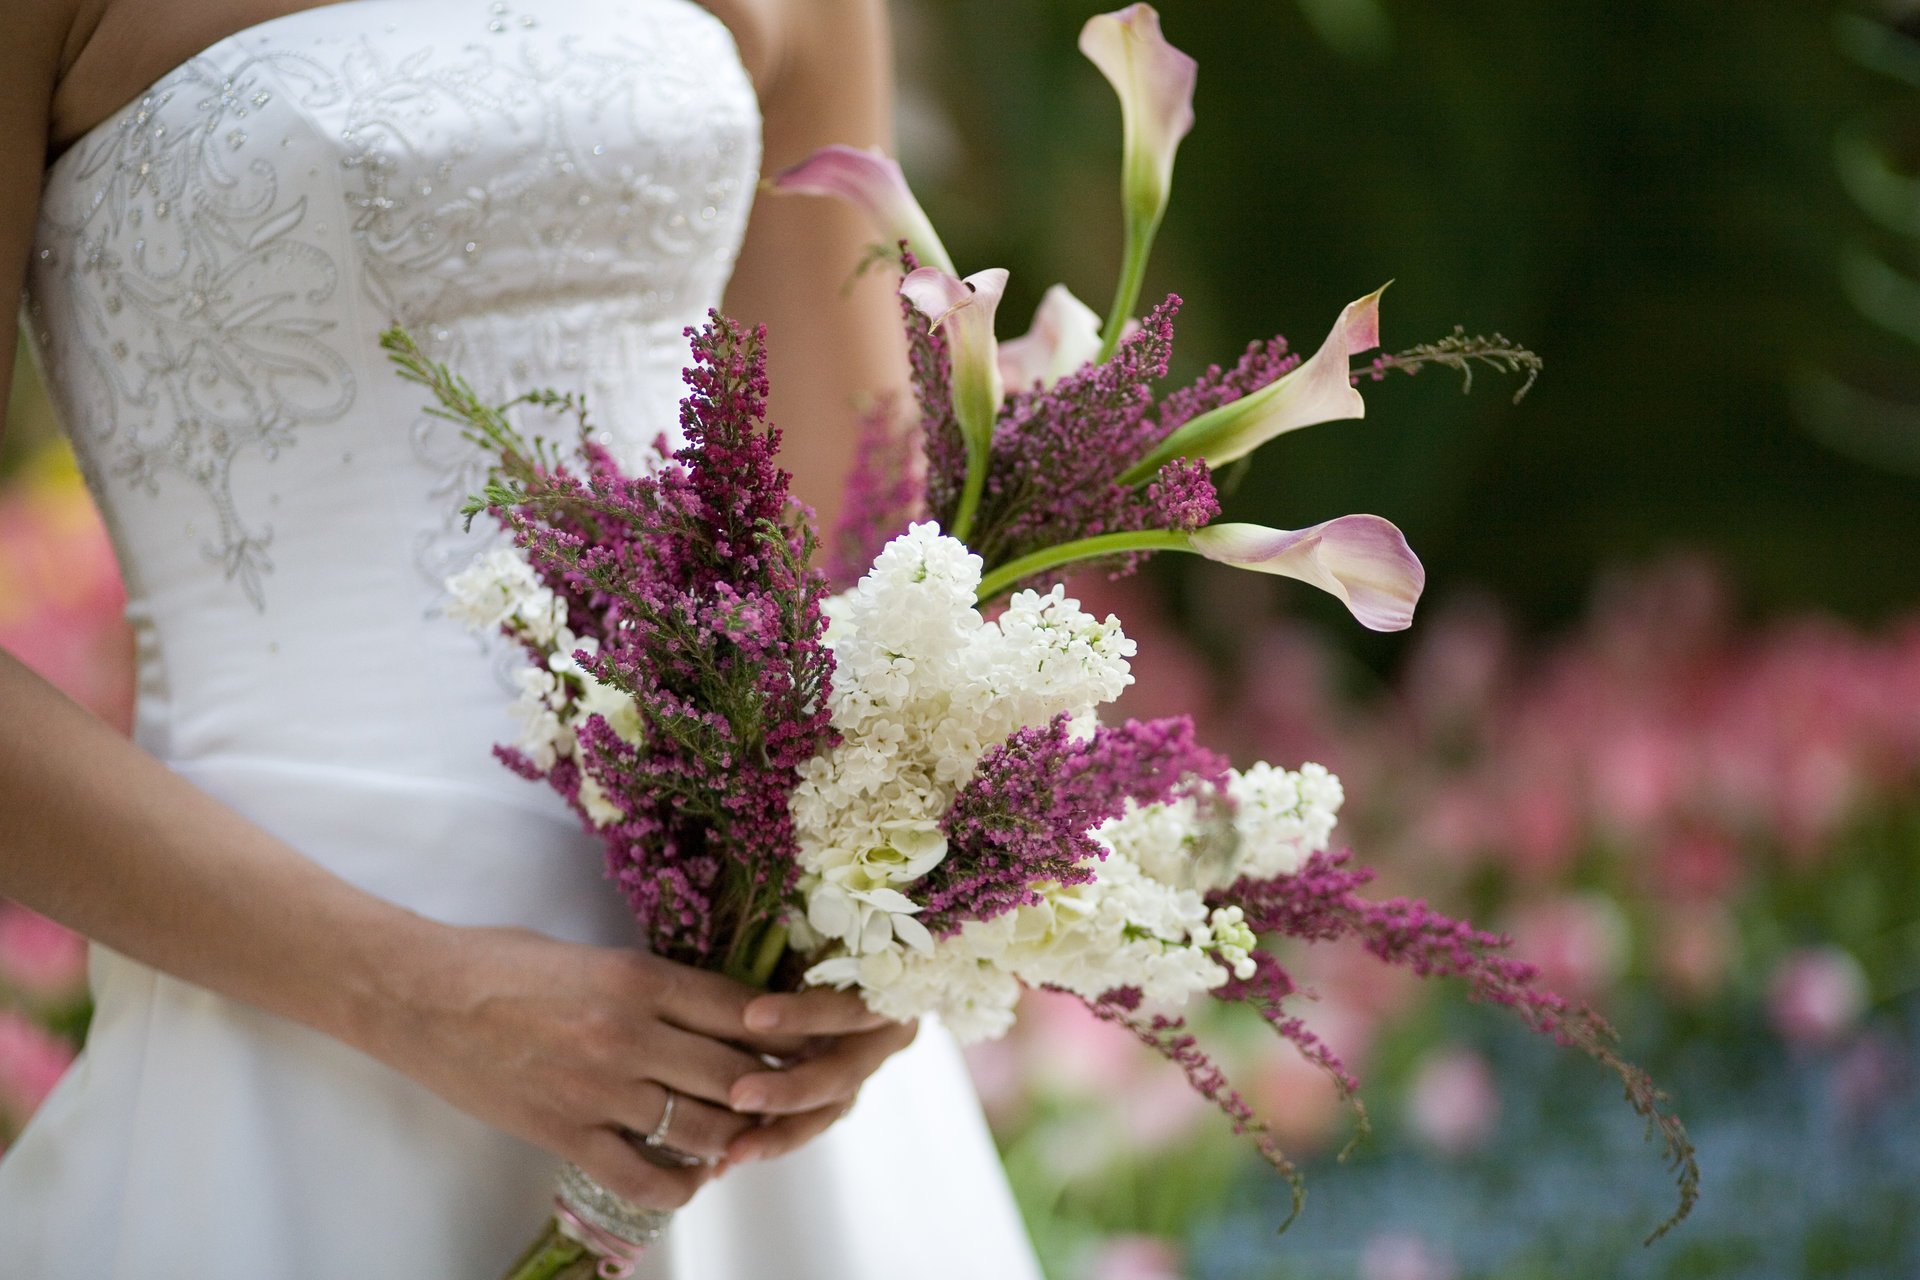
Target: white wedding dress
(547,194)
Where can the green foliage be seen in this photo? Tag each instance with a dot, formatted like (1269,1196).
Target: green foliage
(1644,192)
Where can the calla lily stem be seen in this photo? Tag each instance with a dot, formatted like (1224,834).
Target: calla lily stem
(1133,274)
(970,492)
(1106,544)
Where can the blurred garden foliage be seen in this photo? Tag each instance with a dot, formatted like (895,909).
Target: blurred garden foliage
(1646,193)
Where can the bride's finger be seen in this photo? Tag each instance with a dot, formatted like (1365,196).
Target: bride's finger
(833,1077)
(695,1066)
(788,1133)
(696,1128)
(615,1165)
(819,1012)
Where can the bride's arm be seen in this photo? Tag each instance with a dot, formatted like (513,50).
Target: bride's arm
(558,1043)
(824,69)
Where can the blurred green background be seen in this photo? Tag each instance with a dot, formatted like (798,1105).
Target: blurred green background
(1649,194)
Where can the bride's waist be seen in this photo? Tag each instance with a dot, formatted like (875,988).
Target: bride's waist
(504,852)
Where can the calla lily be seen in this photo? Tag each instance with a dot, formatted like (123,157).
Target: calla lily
(1065,335)
(1155,83)
(870,180)
(1320,390)
(965,308)
(1363,560)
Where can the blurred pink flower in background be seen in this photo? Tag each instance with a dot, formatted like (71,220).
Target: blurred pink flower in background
(1161,1110)
(1697,947)
(1817,995)
(61,600)
(31,1063)
(1134,1258)
(40,958)
(1452,1103)
(1578,940)
(1401,1256)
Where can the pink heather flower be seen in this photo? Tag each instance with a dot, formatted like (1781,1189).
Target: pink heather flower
(885,493)
(695,583)
(1058,450)
(1134,1258)
(1026,815)
(31,1063)
(1321,904)
(1817,995)
(45,960)
(1452,1103)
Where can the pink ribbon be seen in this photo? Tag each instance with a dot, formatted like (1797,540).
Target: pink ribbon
(617,1257)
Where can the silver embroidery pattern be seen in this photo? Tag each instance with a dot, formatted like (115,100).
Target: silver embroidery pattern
(605,160)
(540,205)
(185,261)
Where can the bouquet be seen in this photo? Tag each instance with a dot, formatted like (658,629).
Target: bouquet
(906,788)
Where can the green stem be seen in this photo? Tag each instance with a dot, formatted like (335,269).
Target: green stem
(773,945)
(970,493)
(1106,544)
(1133,274)
(551,1257)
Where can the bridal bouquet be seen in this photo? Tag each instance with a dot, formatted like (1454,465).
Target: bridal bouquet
(906,788)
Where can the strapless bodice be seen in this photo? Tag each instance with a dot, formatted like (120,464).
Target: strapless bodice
(546,194)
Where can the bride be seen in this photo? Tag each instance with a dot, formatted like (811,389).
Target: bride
(358,989)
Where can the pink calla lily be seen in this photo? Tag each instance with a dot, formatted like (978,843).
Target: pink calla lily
(1065,335)
(871,180)
(965,309)
(1155,83)
(1320,390)
(1363,560)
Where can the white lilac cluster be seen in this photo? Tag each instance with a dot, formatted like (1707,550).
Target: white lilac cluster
(923,687)
(1279,818)
(500,590)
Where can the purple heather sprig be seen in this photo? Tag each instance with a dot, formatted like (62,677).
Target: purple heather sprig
(1028,814)
(690,591)
(1322,903)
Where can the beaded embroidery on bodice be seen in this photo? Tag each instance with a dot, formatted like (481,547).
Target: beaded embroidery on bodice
(515,181)
(546,195)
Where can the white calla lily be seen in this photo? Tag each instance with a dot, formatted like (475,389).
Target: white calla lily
(965,309)
(1155,83)
(1319,390)
(1065,335)
(1364,561)
(870,180)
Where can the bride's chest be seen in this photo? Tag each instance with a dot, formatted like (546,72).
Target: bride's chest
(436,157)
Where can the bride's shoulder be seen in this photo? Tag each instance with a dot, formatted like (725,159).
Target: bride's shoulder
(784,44)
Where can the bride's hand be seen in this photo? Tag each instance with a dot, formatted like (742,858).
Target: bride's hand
(573,1048)
(831,1043)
